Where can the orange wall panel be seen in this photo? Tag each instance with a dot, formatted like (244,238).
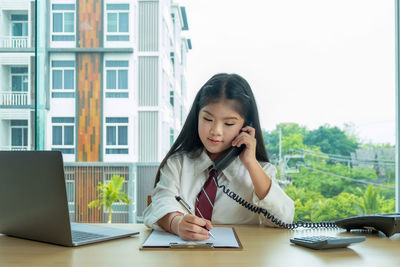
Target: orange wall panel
(89,106)
(90,23)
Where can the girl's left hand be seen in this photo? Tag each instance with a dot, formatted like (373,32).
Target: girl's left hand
(246,137)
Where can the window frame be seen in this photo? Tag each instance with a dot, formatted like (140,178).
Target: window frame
(19,74)
(63,33)
(12,22)
(63,69)
(116,69)
(23,127)
(397,89)
(172,98)
(109,149)
(66,149)
(171,137)
(111,9)
(117,92)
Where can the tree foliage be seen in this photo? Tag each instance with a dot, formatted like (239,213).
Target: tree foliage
(324,188)
(110,193)
(331,140)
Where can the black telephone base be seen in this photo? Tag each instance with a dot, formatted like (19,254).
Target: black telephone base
(389,223)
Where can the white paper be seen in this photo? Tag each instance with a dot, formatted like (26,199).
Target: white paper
(224,237)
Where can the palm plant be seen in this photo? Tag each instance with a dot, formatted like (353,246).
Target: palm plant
(371,200)
(109,193)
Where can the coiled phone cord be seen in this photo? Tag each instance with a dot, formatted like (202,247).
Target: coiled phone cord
(268,215)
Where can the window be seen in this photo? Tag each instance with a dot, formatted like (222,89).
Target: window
(117,78)
(173,22)
(116,135)
(63,22)
(171,98)
(171,137)
(19,134)
(117,22)
(19,79)
(70,186)
(172,57)
(63,78)
(19,25)
(63,134)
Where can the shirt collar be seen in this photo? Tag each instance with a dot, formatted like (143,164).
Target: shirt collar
(203,163)
(232,170)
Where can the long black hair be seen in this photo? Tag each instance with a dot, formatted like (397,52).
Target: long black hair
(220,86)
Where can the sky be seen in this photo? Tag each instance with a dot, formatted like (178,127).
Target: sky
(311,62)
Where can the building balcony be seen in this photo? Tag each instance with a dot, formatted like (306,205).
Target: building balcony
(10,98)
(14,42)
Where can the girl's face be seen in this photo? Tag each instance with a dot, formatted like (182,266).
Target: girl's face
(218,125)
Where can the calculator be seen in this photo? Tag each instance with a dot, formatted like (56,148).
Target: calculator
(324,242)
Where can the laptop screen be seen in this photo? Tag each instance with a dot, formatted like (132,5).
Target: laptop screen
(33,198)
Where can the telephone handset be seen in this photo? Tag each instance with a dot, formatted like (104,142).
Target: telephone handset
(221,163)
(233,152)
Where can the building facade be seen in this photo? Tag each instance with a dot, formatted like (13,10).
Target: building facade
(113,89)
(17,69)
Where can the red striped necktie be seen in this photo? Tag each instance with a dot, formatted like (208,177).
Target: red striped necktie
(206,197)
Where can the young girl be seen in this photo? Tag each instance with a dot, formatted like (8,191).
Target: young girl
(218,120)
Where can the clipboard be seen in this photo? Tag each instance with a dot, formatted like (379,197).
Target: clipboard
(226,239)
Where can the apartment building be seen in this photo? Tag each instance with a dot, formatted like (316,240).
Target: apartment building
(112,85)
(17,65)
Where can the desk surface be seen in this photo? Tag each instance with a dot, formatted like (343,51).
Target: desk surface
(262,246)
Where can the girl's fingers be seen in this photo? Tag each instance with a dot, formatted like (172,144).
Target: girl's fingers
(246,132)
(195,220)
(250,130)
(190,230)
(196,224)
(242,139)
(193,228)
(209,225)
(194,237)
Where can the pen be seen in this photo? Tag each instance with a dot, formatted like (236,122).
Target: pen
(188,209)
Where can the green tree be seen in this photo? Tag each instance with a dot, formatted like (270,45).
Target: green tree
(364,173)
(326,188)
(110,193)
(306,202)
(292,128)
(293,141)
(337,207)
(271,139)
(370,201)
(331,140)
(327,185)
(388,206)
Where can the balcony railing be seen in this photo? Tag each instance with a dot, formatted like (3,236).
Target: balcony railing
(9,98)
(14,42)
(14,148)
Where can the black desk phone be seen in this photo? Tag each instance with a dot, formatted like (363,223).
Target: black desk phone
(389,224)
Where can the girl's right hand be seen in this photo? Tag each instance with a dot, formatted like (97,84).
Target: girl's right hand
(190,228)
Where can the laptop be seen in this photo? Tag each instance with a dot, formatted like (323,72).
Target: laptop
(33,201)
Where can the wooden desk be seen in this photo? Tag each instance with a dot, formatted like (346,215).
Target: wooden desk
(261,247)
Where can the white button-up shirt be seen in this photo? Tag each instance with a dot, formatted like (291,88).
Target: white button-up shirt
(184,176)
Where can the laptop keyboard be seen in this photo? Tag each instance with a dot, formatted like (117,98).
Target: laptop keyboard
(78,236)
